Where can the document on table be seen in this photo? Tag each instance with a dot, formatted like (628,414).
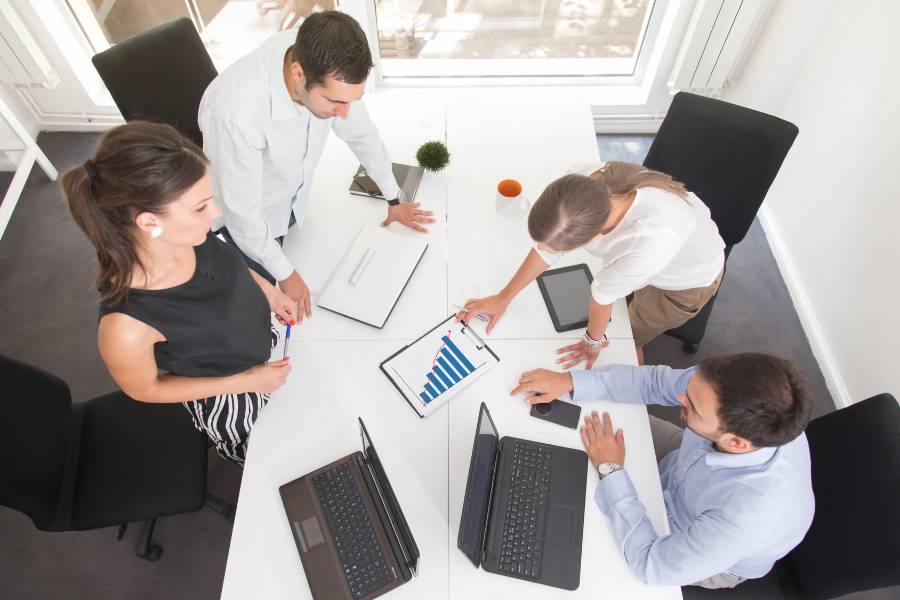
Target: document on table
(432,369)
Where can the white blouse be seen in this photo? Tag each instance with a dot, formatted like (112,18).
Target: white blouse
(662,240)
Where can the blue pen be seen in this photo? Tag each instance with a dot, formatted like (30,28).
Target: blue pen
(287,336)
(287,341)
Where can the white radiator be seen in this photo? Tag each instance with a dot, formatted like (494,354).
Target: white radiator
(718,35)
(22,64)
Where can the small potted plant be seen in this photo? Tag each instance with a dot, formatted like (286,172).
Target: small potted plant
(433,156)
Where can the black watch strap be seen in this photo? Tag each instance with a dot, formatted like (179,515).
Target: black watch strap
(394,202)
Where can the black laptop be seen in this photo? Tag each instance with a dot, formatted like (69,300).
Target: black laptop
(523,512)
(353,539)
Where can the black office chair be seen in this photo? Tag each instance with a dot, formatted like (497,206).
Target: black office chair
(853,544)
(729,156)
(159,75)
(109,461)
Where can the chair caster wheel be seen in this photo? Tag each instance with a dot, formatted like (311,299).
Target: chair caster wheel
(690,348)
(154,554)
(121,532)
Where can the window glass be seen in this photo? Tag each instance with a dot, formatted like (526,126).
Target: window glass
(229,28)
(510,37)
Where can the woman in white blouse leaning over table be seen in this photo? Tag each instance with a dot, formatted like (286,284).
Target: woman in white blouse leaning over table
(659,246)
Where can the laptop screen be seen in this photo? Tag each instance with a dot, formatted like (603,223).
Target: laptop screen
(478,489)
(398,523)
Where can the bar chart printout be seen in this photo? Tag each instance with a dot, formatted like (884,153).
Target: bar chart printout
(438,365)
(450,366)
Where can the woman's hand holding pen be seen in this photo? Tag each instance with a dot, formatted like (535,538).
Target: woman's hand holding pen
(492,306)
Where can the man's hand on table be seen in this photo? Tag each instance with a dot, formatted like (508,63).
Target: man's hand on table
(600,443)
(406,213)
(295,288)
(549,384)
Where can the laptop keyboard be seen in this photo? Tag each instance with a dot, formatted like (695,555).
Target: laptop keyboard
(523,528)
(355,541)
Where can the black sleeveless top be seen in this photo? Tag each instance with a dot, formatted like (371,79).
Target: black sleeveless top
(216,324)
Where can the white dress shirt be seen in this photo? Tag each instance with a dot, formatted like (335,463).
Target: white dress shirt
(662,240)
(264,148)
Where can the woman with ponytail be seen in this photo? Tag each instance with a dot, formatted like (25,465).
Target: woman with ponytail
(660,249)
(174,297)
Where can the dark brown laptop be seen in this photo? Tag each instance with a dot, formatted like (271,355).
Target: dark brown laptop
(353,539)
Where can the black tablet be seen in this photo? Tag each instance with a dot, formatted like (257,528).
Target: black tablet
(567,293)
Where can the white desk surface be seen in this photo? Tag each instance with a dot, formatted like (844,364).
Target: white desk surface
(334,218)
(312,419)
(526,143)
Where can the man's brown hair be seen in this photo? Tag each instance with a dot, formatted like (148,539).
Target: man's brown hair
(762,398)
(331,43)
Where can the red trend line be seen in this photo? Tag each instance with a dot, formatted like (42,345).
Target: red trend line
(439,351)
(433,362)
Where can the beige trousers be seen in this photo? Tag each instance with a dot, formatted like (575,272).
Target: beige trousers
(653,311)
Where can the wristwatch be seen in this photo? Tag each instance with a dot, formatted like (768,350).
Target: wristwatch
(401,197)
(591,341)
(604,469)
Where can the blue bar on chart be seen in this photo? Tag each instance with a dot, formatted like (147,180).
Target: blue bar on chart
(452,360)
(448,370)
(434,381)
(444,378)
(457,352)
(431,391)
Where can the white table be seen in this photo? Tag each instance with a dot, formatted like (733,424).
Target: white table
(526,143)
(335,217)
(312,419)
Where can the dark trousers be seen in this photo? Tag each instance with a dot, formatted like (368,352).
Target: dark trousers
(255,266)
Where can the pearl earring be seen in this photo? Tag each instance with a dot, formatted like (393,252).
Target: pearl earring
(157,231)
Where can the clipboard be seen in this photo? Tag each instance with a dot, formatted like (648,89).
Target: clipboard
(438,365)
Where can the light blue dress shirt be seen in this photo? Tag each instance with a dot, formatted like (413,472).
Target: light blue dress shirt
(728,513)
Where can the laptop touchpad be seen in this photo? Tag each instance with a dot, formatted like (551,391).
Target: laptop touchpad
(311,535)
(560,525)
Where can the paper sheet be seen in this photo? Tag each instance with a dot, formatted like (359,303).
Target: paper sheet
(438,365)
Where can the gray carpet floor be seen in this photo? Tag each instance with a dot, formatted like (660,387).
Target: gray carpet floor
(48,317)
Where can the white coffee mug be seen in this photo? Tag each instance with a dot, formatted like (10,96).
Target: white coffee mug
(510,201)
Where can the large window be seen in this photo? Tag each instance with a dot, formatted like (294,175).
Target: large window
(512,38)
(229,28)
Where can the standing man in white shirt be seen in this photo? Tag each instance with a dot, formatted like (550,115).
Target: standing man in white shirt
(265,121)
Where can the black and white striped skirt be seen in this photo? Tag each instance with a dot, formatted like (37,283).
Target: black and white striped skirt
(228,419)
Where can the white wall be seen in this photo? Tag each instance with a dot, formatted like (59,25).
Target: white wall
(833,213)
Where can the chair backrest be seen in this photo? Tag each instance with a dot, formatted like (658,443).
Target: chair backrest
(854,541)
(35,419)
(159,75)
(726,154)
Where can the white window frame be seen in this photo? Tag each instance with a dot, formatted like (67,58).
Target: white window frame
(517,67)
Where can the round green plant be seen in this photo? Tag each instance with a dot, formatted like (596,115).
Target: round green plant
(433,156)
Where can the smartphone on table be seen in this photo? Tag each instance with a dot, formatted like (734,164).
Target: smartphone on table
(559,412)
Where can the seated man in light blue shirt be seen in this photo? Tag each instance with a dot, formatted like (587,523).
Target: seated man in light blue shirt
(738,492)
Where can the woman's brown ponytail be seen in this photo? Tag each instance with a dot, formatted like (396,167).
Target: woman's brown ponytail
(138,167)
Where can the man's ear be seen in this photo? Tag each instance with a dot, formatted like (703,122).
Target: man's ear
(297,72)
(736,444)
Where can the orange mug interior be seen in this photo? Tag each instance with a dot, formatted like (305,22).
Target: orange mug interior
(509,188)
